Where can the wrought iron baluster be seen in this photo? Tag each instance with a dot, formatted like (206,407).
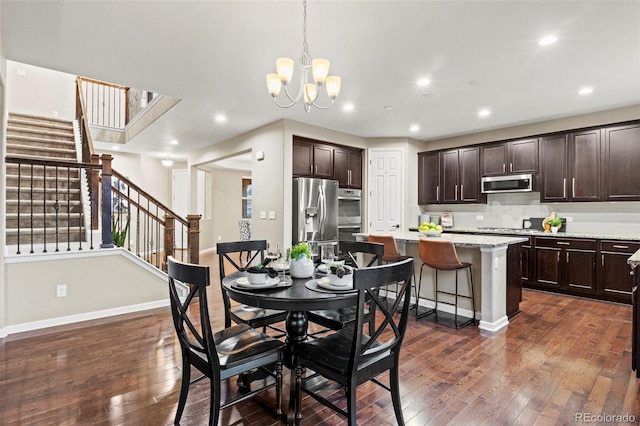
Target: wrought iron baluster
(56,207)
(19,212)
(31,210)
(44,206)
(68,209)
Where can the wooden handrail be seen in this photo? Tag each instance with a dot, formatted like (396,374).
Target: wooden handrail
(81,114)
(53,163)
(104,83)
(126,180)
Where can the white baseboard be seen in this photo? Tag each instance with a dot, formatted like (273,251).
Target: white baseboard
(86,316)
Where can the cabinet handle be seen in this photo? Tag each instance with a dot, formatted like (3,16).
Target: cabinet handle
(461,192)
(510,167)
(558,256)
(348,177)
(438,193)
(564,187)
(567,257)
(311,169)
(620,247)
(602,259)
(573,187)
(504,168)
(316,169)
(455,193)
(562,243)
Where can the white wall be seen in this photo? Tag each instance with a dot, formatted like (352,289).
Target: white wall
(93,285)
(40,91)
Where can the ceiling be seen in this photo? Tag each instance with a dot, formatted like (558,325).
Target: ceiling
(214,56)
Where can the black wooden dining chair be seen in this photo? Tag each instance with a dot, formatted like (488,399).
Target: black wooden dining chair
(221,355)
(350,357)
(229,257)
(336,319)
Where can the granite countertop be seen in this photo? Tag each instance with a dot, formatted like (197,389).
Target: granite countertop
(531,232)
(461,240)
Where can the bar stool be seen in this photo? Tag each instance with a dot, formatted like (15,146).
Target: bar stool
(391,252)
(441,255)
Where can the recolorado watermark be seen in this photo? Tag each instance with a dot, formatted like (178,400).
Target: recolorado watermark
(605,418)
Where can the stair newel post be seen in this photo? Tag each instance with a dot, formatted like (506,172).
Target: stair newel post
(107,241)
(94,188)
(193,238)
(169,237)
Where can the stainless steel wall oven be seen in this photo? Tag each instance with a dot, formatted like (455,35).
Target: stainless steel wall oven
(349,213)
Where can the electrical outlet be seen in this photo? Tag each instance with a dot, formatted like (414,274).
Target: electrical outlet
(61,290)
(219,237)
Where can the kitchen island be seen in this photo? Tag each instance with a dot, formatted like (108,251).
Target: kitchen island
(487,253)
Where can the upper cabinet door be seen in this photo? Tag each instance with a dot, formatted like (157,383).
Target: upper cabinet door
(323,161)
(523,156)
(341,167)
(355,169)
(621,157)
(584,165)
(428,178)
(302,159)
(494,159)
(470,175)
(554,168)
(449,176)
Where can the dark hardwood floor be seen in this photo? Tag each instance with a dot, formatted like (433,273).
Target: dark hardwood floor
(559,358)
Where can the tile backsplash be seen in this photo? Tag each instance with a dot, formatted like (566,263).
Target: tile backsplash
(509,210)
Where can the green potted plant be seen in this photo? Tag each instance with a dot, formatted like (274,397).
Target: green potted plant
(118,233)
(555,223)
(301,261)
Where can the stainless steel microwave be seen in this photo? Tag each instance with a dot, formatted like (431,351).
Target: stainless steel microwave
(513,183)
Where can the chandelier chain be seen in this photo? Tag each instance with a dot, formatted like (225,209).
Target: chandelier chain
(305,57)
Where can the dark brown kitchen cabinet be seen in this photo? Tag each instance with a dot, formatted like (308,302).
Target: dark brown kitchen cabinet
(570,166)
(614,279)
(311,159)
(449,177)
(514,279)
(525,263)
(620,160)
(514,157)
(347,167)
(428,178)
(635,324)
(566,265)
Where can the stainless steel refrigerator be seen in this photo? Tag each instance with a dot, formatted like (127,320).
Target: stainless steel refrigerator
(315,210)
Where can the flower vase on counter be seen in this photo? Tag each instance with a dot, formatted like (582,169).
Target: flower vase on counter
(301,263)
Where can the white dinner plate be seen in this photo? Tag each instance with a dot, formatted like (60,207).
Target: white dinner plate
(329,285)
(270,282)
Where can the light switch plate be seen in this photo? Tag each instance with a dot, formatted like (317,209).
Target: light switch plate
(272,215)
(263,215)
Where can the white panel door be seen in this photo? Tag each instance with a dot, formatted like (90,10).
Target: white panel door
(386,190)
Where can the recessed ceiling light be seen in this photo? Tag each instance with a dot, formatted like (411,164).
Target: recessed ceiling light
(586,90)
(545,41)
(424,82)
(387,107)
(484,112)
(414,128)
(220,118)
(427,96)
(347,107)
(473,82)
(167,163)
(173,142)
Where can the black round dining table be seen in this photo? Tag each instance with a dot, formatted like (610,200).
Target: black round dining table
(297,299)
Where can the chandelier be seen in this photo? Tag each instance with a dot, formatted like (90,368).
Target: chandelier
(309,67)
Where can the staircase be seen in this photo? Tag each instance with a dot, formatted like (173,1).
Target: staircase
(44,201)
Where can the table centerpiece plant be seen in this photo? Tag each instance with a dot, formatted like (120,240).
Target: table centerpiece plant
(301,263)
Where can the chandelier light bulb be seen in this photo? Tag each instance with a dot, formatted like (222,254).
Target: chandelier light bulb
(320,69)
(284,68)
(274,84)
(310,93)
(333,86)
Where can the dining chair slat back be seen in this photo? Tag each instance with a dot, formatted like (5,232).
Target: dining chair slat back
(221,355)
(349,356)
(229,254)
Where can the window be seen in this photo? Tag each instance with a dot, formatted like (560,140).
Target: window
(246,198)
